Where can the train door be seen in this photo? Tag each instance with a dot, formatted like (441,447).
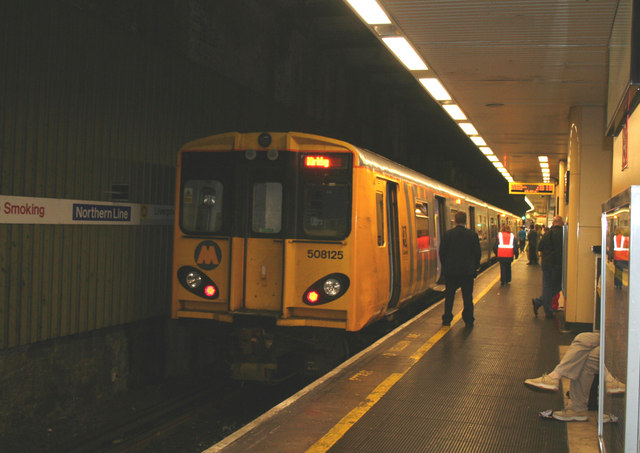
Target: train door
(389,235)
(440,218)
(472,218)
(394,243)
(264,244)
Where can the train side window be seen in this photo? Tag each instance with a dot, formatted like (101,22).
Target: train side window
(422,226)
(493,227)
(452,218)
(380,217)
(202,206)
(266,211)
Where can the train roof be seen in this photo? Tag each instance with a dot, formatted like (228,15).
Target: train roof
(381,164)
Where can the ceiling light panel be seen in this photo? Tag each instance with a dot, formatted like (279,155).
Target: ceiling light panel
(479,141)
(403,50)
(370,11)
(435,89)
(468,128)
(454,112)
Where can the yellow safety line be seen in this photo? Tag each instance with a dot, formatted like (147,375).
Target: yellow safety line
(328,440)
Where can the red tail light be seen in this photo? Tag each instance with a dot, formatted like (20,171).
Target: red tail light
(312,297)
(209,290)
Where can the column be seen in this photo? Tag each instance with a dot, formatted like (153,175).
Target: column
(589,165)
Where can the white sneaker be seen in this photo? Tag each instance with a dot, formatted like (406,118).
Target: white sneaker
(613,386)
(569,415)
(544,382)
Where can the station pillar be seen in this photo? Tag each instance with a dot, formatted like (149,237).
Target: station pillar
(561,199)
(589,167)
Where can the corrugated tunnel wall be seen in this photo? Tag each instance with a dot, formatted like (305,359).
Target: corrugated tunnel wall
(94,94)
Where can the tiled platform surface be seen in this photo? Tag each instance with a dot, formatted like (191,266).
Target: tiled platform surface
(428,388)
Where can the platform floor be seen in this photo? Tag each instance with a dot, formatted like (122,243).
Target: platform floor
(429,388)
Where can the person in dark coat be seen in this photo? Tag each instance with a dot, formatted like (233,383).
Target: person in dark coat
(550,246)
(533,244)
(459,254)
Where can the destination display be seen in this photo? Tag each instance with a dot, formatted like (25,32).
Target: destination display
(522,188)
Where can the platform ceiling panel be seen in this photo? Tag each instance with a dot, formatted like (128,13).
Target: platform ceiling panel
(515,67)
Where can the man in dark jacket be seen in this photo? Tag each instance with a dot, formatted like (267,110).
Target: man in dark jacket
(550,246)
(460,258)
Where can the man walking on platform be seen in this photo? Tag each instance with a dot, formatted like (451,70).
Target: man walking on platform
(551,248)
(522,238)
(459,254)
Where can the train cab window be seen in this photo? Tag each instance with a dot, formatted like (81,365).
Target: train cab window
(326,210)
(326,195)
(266,212)
(202,206)
(422,226)
(380,217)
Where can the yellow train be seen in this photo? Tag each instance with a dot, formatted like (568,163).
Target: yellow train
(295,238)
(302,230)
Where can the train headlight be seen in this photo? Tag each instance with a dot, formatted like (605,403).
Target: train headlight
(326,289)
(193,279)
(198,283)
(332,287)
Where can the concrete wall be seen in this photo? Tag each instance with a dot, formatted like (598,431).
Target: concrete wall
(621,178)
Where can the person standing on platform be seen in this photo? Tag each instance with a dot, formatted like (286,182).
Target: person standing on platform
(533,244)
(579,364)
(522,238)
(506,251)
(551,248)
(459,255)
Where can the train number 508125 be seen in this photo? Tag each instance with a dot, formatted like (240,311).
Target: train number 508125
(325,254)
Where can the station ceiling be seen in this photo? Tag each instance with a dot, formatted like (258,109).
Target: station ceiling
(515,67)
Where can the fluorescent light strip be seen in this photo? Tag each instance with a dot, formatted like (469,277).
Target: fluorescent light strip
(529,203)
(370,11)
(479,141)
(498,164)
(543,158)
(435,89)
(486,150)
(403,50)
(493,158)
(454,112)
(468,128)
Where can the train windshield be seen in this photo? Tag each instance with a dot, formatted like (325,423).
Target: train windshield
(326,195)
(267,207)
(204,188)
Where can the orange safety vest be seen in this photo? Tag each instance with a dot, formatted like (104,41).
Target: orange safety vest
(505,244)
(620,248)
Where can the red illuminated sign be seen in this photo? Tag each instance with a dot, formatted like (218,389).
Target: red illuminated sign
(317,161)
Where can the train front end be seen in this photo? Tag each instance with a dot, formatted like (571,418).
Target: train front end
(262,231)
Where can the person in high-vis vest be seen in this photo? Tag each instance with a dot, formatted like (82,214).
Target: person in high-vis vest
(506,250)
(620,256)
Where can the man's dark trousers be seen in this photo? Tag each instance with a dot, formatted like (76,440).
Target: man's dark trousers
(551,285)
(453,282)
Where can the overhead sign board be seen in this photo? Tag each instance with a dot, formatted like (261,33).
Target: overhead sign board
(522,188)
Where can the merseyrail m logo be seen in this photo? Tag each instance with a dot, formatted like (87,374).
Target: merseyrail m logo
(207,255)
